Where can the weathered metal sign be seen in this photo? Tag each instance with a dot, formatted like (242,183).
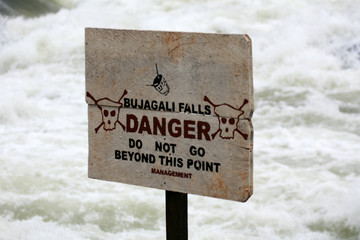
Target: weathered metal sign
(171,110)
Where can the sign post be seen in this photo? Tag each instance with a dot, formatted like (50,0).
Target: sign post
(171,110)
(176,216)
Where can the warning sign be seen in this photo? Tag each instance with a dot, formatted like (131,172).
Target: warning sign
(171,110)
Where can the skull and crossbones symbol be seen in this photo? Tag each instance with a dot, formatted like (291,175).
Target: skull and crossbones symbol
(227,125)
(110,116)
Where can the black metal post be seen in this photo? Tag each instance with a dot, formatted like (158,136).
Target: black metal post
(176,216)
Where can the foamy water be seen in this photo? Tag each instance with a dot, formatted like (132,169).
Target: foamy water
(307,123)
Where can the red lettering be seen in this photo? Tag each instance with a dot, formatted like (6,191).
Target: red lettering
(177,132)
(203,128)
(175,128)
(131,118)
(145,125)
(189,126)
(161,127)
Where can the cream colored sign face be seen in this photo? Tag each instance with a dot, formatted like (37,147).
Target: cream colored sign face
(171,110)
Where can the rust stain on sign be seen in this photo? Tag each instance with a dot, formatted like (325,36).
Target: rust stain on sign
(171,110)
(221,187)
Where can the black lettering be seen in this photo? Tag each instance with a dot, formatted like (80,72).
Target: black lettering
(173,145)
(158,146)
(200,112)
(193,109)
(147,105)
(181,107)
(131,143)
(167,107)
(161,106)
(201,151)
(217,165)
(197,165)
(197,151)
(133,103)
(180,163)
(117,154)
(124,156)
(208,166)
(169,161)
(187,108)
(162,159)
(203,165)
(151,158)
(141,106)
(126,103)
(190,162)
(154,105)
(192,150)
(207,110)
(166,147)
(131,154)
